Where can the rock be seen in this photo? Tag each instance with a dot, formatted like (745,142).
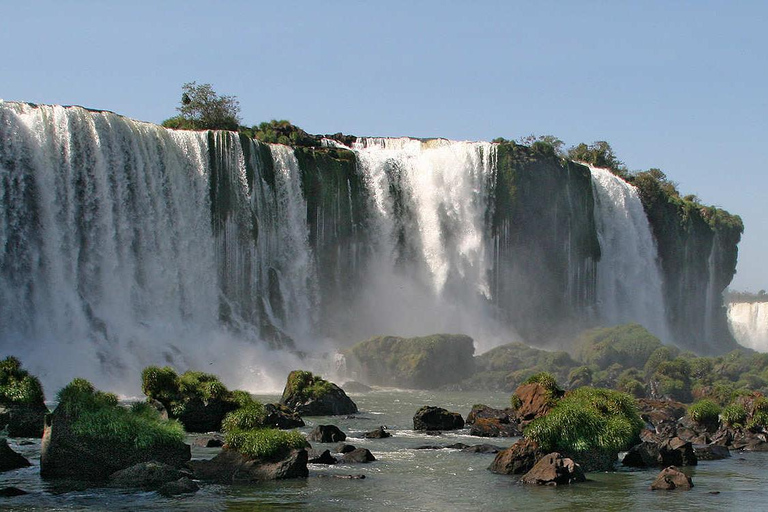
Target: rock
(489,427)
(145,475)
(10,492)
(482,448)
(358,455)
(661,414)
(430,447)
(343,477)
(309,395)
(159,407)
(210,441)
(379,433)
(671,452)
(65,454)
(183,485)
(426,362)
(711,452)
(643,455)
(231,467)
(22,420)
(205,416)
(353,386)
(456,446)
(481,411)
(437,418)
(535,402)
(554,469)
(326,434)
(9,459)
(344,448)
(671,478)
(517,459)
(324,457)
(282,417)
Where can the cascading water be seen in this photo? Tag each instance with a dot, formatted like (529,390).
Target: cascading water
(629,285)
(748,322)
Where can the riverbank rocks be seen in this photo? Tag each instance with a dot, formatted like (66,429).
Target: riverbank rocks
(554,469)
(486,421)
(671,452)
(24,420)
(232,467)
(326,434)
(282,417)
(310,395)
(437,418)
(711,452)
(518,459)
(671,478)
(9,459)
(378,433)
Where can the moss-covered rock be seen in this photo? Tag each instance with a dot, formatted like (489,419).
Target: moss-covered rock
(311,395)
(629,345)
(22,407)
(425,362)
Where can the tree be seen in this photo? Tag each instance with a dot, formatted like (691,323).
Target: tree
(599,154)
(202,109)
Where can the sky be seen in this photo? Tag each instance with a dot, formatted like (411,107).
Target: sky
(670,84)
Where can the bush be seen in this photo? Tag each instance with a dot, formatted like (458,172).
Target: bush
(284,132)
(734,415)
(588,419)
(17,386)
(305,385)
(202,109)
(704,411)
(265,443)
(247,417)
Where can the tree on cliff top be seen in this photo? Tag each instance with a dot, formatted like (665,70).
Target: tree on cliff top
(202,109)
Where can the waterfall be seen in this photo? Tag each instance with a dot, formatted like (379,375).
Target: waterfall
(629,285)
(749,324)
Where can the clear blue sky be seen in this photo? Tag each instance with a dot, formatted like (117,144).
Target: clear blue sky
(676,85)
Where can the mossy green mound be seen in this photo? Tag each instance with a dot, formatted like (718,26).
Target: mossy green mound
(629,345)
(504,368)
(17,386)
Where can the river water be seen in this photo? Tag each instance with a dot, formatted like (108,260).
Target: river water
(406,478)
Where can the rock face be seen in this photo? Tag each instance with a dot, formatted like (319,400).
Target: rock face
(65,454)
(426,362)
(22,420)
(489,422)
(282,417)
(9,459)
(517,459)
(326,434)
(436,418)
(671,478)
(554,469)
(231,467)
(309,395)
(535,401)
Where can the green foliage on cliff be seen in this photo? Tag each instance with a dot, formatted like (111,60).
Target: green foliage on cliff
(17,386)
(97,417)
(202,109)
(283,132)
(704,411)
(629,345)
(599,154)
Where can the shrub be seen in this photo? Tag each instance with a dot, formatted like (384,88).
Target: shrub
(202,109)
(264,443)
(17,386)
(704,411)
(588,419)
(305,385)
(284,132)
(247,417)
(734,415)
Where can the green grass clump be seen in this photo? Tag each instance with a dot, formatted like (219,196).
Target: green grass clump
(17,386)
(247,417)
(264,443)
(704,411)
(97,417)
(305,385)
(588,419)
(734,415)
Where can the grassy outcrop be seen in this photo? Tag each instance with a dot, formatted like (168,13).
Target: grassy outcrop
(17,386)
(244,432)
(311,395)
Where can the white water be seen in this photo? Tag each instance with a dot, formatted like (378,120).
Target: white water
(749,324)
(629,285)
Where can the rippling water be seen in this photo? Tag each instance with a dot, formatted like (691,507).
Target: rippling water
(404,478)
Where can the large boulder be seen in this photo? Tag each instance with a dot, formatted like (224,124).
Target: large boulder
(9,459)
(517,459)
(230,467)
(310,395)
(326,434)
(554,469)
(437,418)
(426,362)
(534,401)
(146,475)
(671,478)
(23,420)
(282,417)
(362,455)
(486,421)
(22,407)
(711,452)
(670,452)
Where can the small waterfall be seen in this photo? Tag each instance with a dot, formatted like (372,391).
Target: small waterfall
(629,285)
(748,322)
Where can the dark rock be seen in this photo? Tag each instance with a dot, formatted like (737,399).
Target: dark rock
(595,459)
(433,433)
(661,414)
(22,420)
(756,445)
(9,459)
(344,448)
(183,485)
(489,427)
(437,418)
(711,452)
(671,478)
(379,433)
(324,457)
(535,402)
(205,416)
(353,386)
(358,455)
(326,434)
(343,477)
(517,459)
(554,469)
(456,446)
(282,417)
(10,492)
(231,467)
(159,407)
(211,441)
(671,452)
(145,475)
(332,401)
(643,455)
(481,411)
(65,454)
(482,448)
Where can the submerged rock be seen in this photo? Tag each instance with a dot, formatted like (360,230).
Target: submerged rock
(232,467)
(146,475)
(9,459)
(183,485)
(554,469)
(671,478)
(436,418)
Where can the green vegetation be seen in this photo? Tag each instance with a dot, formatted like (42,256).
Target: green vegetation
(704,411)
(305,385)
(178,392)
(599,154)
(734,415)
(283,132)
(249,416)
(202,109)
(508,366)
(629,345)
(17,386)
(586,420)
(265,443)
(97,417)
